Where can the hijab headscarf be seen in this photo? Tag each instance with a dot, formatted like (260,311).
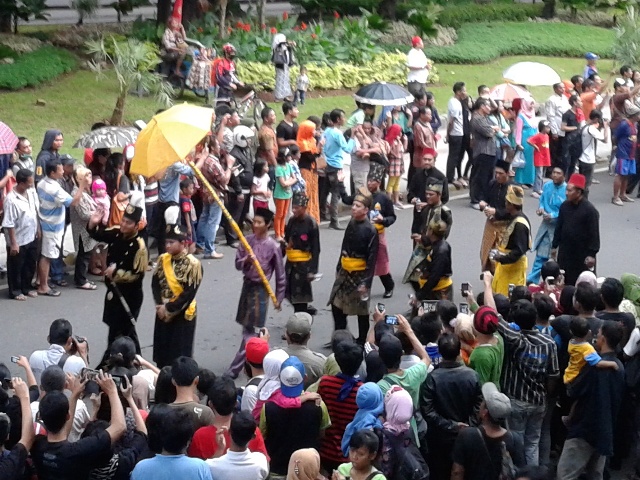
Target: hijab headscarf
(306,139)
(271,382)
(304,464)
(631,284)
(399,407)
(370,407)
(278,39)
(393,133)
(527,107)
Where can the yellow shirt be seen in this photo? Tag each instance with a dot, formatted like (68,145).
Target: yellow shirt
(580,354)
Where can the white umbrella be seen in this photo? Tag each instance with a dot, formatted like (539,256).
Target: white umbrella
(508,92)
(532,74)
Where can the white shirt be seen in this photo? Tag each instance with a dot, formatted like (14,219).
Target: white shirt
(417,59)
(21,214)
(632,347)
(455,112)
(81,419)
(245,465)
(41,359)
(250,397)
(554,108)
(589,137)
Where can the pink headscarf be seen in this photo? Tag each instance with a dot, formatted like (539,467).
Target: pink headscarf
(393,132)
(398,406)
(527,107)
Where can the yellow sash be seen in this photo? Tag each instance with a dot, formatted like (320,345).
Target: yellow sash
(444,282)
(351,264)
(294,255)
(175,286)
(379,227)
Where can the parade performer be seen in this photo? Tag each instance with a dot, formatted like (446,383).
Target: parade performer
(494,208)
(174,285)
(355,269)
(302,238)
(511,259)
(431,209)
(127,260)
(254,299)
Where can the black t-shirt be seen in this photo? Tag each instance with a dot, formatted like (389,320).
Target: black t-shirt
(69,461)
(12,462)
(573,138)
(470,451)
(286,131)
(625,318)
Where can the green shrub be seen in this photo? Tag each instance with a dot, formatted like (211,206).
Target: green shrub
(388,67)
(484,42)
(6,52)
(34,68)
(458,15)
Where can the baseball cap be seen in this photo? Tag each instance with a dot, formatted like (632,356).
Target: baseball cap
(485,320)
(415,41)
(256,349)
(497,403)
(619,82)
(299,323)
(591,56)
(67,159)
(292,377)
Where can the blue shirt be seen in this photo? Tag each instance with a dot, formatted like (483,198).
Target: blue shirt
(169,186)
(334,147)
(171,467)
(626,146)
(552,197)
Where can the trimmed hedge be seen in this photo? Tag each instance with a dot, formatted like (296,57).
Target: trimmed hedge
(457,15)
(37,67)
(484,42)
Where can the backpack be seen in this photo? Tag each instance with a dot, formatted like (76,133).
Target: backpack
(508,469)
(409,464)
(279,57)
(254,382)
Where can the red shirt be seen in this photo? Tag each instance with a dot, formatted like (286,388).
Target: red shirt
(541,155)
(203,445)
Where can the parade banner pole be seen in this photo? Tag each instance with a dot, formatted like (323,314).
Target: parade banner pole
(238,231)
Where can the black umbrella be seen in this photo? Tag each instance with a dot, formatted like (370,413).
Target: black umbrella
(383,94)
(108,137)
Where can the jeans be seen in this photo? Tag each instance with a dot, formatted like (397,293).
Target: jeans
(336,187)
(545,434)
(20,269)
(526,419)
(586,169)
(454,160)
(323,194)
(537,185)
(579,457)
(208,227)
(534,276)
(82,265)
(299,96)
(481,175)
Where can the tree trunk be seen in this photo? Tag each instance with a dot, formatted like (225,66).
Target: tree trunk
(260,4)
(117,117)
(163,12)
(549,10)
(387,9)
(191,10)
(223,18)
(6,22)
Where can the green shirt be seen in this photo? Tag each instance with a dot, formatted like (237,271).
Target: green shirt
(280,192)
(487,360)
(345,470)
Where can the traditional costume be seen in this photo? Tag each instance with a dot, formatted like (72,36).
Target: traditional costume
(355,268)
(417,188)
(577,234)
(511,263)
(495,226)
(129,255)
(303,253)
(174,285)
(254,299)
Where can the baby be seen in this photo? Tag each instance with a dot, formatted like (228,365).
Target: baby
(99,190)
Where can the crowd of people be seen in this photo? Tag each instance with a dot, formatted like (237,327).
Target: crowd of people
(536,368)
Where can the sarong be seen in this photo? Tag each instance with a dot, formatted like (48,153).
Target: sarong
(298,288)
(345,295)
(515,273)
(382,262)
(492,237)
(253,305)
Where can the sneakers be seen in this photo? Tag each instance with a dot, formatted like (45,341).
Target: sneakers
(617,201)
(214,256)
(475,206)
(627,199)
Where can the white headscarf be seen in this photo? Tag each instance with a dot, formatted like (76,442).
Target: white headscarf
(271,381)
(278,38)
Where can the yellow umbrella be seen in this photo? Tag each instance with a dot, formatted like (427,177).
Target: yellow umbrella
(169,137)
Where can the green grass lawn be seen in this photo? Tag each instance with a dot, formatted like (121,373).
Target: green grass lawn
(76,101)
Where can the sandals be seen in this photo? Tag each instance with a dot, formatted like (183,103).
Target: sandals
(20,298)
(60,283)
(52,292)
(87,286)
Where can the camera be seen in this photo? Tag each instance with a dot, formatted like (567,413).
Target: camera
(380,307)
(464,308)
(429,306)
(391,319)
(15,359)
(464,289)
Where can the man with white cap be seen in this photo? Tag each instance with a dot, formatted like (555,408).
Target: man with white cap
(482,449)
(298,333)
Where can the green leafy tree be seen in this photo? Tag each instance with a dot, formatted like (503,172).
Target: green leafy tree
(85,8)
(134,64)
(11,11)
(626,49)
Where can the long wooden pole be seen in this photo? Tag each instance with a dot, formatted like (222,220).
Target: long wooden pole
(238,231)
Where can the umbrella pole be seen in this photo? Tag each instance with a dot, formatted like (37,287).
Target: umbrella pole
(238,231)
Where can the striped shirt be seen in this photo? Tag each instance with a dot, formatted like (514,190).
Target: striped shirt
(341,414)
(530,358)
(53,202)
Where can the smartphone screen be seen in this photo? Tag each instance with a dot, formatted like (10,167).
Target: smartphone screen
(380,307)
(464,308)
(429,305)
(391,320)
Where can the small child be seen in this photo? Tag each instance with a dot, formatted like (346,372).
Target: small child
(541,155)
(300,186)
(302,85)
(188,212)
(260,188)
(99,190)
(363,450)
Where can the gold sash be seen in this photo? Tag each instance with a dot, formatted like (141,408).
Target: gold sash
(351,264)
(175,286)
(379,227)
(444,282)
(294,255)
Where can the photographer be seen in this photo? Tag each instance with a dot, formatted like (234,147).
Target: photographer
(595,130)
(12,463)
(68,352)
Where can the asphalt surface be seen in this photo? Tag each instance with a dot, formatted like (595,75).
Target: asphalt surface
(24,325)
